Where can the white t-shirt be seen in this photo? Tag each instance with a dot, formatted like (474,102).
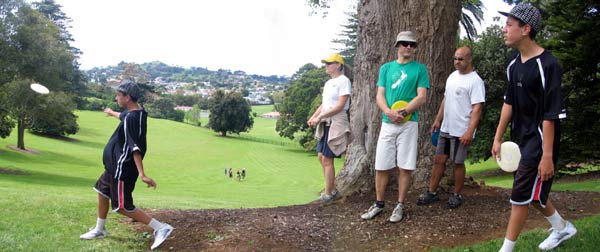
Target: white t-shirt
(333,89)
(462,91)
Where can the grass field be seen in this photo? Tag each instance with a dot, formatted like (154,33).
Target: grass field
(54,202)
(49,207)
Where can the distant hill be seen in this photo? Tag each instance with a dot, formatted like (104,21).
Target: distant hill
(162,74)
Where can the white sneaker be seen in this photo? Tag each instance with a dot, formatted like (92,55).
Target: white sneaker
(161,235)
(556,237)
(372,212)
(397,213)
(93,234)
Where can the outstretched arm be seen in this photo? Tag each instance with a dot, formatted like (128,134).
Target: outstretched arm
(110,112)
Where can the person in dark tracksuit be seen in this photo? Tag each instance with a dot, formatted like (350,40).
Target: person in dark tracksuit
(123,165)
(533,105)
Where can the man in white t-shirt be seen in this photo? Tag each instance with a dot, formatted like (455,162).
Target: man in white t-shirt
(459,114)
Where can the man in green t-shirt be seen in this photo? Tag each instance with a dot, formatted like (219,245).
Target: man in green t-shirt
(404,80)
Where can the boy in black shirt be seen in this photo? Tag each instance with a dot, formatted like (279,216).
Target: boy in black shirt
(123,164)
(533,105)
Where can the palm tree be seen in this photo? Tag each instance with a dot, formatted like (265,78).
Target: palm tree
(475,8)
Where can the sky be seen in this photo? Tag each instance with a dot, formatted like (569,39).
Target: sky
(266,37)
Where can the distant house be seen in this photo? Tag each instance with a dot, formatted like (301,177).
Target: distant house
(271,115)
(184,108)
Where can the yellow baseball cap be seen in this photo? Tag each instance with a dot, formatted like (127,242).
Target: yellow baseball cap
(335,57)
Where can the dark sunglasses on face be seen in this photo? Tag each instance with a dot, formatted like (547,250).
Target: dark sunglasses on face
(407,43)
(459,59)
(330,63)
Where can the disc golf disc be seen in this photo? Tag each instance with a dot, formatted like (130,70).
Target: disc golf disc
(434,137)
(39,88)
(510,155)
(400,105)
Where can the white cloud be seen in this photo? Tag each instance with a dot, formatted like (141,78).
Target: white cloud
(259,37)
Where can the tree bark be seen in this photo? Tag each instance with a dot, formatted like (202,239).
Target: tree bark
(435,24)
(21,134)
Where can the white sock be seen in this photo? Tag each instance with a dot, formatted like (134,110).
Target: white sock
(156,225)
(507,246)
(100,224)
(557,222)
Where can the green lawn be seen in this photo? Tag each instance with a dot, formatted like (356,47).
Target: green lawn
(48,208)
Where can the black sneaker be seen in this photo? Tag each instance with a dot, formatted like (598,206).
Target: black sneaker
(454,201)
(427,198)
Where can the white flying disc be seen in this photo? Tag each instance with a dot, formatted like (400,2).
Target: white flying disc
(39,88)
(510,155)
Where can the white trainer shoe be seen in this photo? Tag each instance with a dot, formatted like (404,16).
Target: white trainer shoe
(397,213)
(161,235)
(93,234)
(372,212)
(556,237)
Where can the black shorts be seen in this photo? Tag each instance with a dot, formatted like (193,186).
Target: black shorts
(323,147)
(117,191)
(528,187)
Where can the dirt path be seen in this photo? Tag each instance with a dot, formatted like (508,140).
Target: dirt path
(337,227)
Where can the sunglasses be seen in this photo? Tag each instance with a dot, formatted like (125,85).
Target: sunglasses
(459,59)
(330,63)
(408,43)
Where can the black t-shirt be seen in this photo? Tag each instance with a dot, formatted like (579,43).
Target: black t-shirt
(534,92)
(129,136)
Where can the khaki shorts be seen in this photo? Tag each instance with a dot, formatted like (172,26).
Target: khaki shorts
(397,146)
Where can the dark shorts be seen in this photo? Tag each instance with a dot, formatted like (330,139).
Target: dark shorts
(452,147)
(323,147)
(529,188)
(117,191)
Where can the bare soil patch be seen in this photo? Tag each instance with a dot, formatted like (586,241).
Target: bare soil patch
(338,227)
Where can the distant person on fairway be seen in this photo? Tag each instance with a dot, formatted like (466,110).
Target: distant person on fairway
(331,120)
(225,171)
(123,155)
(243,173)
(457,119)
(533,105)
(230,173)
(407,80)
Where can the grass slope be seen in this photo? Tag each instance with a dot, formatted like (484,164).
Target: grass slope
(48,208)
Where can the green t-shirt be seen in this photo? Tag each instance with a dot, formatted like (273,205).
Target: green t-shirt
(401,82)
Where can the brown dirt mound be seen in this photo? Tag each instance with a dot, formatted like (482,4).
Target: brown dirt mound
(338,227)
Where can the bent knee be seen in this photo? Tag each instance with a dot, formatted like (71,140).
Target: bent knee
(440,159)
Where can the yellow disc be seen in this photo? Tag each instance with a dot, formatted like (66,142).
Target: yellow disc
(400,105)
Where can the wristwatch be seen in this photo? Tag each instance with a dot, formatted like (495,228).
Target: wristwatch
(404,113)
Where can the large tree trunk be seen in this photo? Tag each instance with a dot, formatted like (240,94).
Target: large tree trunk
(435,24)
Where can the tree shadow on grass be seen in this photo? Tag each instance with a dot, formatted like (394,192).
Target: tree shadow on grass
(61,138)
(50,179)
